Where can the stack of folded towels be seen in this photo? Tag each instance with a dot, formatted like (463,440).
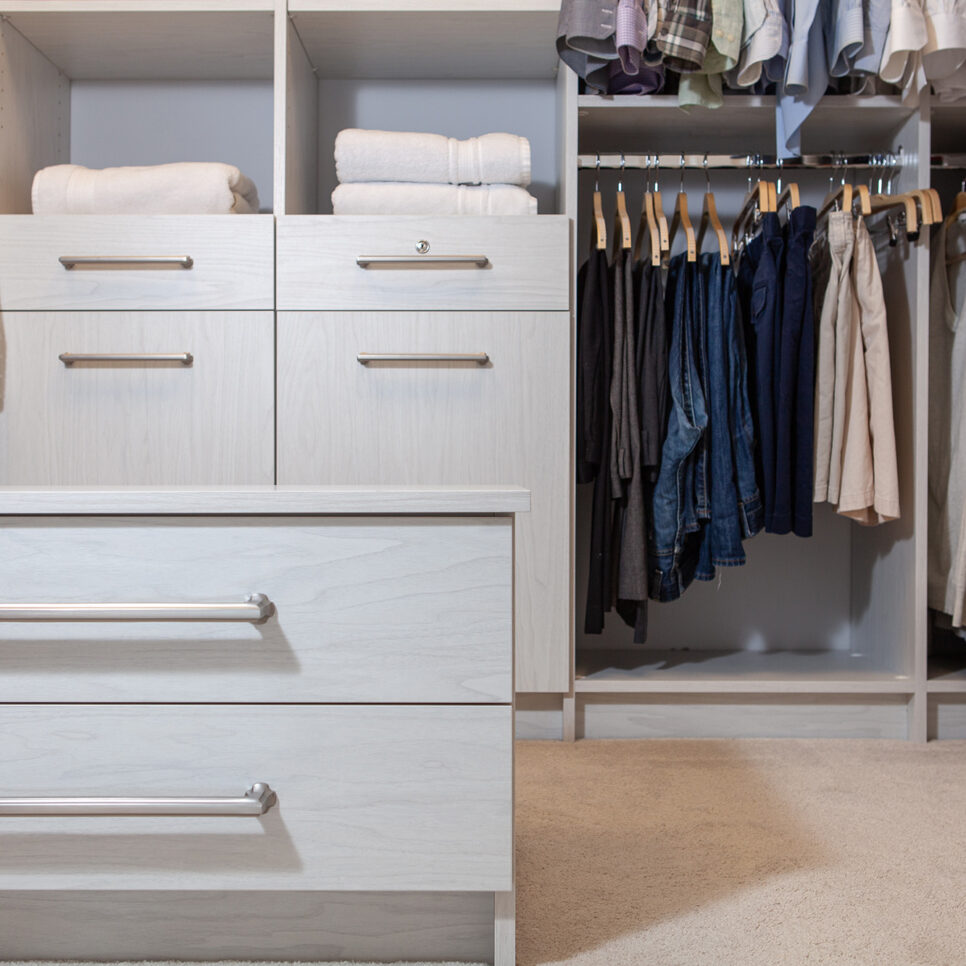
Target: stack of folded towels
(399,173)
(186,188)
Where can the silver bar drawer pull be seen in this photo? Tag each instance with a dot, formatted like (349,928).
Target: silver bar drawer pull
(256,801)
(253,610)
(69,358)
(423,261)
(126,261)
(480,358)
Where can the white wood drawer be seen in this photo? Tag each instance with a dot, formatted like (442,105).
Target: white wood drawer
(429,422)
(367,609)
(526,262)
(368,798)
(232,262)
(140,421)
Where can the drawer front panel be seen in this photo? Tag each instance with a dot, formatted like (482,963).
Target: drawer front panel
(368,609)
(342,262)
(368,798)
(430,422)
(137,262)
(204,414)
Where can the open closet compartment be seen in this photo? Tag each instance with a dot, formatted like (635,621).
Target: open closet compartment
(120,82)
(460,69)
(946,653)
(815,636)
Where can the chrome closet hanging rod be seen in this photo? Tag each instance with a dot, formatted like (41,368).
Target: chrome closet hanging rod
(742,162)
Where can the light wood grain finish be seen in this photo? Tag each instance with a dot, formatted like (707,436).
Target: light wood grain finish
(369,798)
(210,926)
(233,259)
(137,423)
(223,500)
(449,39)
(527,263)
(438,423)
(150,40)
(35,108)
(366,609)
(296,123)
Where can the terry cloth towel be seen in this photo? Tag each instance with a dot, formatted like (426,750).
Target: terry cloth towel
(432,199)
(431,158)
(185,188)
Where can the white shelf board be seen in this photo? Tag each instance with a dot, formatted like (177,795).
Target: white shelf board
(744,124)
(216,500)
(947,675)
(429,40)
(745,672)
(152,40)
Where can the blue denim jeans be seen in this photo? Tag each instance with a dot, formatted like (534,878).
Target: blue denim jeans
(762,327)
(674,548)
(735,502)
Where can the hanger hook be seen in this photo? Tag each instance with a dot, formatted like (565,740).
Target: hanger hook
(682,173)
(620,180)
(597,174)
(780,161)
(707,175)
(748,166)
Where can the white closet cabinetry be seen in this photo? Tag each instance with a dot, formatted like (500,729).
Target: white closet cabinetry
(125,289)
(126,398)
(501,414)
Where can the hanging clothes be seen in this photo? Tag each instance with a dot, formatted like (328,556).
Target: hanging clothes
(795,383)
(627,483)
(947,423)
(594,363)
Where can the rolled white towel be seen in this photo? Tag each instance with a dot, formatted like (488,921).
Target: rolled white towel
(184,188)
(432,199)
(431,158)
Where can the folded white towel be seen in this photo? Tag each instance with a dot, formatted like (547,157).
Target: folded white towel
(432,199)
(186,188)
(431,158)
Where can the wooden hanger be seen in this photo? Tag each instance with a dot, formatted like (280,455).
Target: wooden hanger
(864,200)
(648,226)
(682,218)
(759,199)
(622,233)
(709,216)
(907,202)
(599,227)
(925,205)
(841,196)
(657,202)
(791,195)
(937,205)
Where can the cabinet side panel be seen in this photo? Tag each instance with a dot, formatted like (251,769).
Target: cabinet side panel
(34,118)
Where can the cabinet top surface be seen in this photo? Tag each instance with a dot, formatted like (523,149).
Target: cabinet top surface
(217,500)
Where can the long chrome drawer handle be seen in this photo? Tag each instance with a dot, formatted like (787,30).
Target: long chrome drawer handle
(480,358)
(254,609)
(110,261)
(425,261)
(69,358)
(256,801)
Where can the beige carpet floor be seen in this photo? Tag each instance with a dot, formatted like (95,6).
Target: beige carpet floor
(741,853)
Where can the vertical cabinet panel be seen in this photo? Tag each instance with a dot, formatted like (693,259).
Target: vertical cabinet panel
(203,420)
(428,421)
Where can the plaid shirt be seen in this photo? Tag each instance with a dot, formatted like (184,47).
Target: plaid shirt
(684,34)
